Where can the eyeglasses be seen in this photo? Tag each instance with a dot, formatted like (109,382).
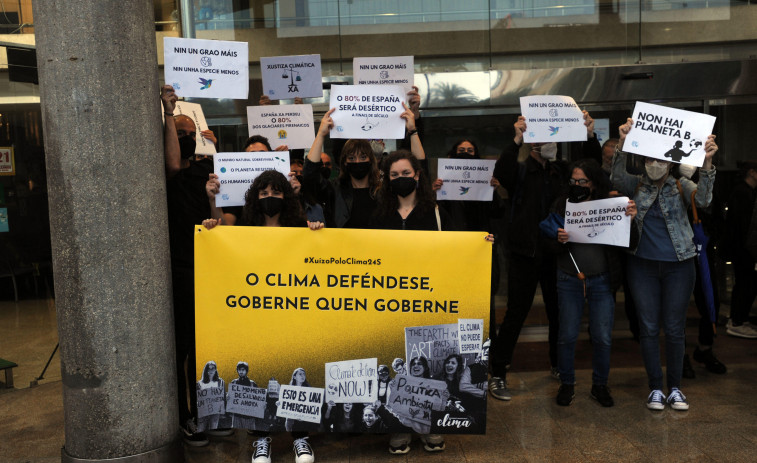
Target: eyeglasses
(470,150)
(579,181)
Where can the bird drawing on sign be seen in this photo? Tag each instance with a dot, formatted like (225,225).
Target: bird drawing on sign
(205,83)
(464,190)
(553,130)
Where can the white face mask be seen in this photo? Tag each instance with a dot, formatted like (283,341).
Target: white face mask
(547,151)
(656,170)
(686,170)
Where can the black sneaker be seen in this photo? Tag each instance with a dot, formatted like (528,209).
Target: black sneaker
(688,371)
(191,436)
(712,364)
(601,394)
(565,395)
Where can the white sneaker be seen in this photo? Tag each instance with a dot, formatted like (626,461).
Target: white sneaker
(656,400)
(432,442)
(399,443)
(303,453)
(745,330)
(262,452)
(677,400)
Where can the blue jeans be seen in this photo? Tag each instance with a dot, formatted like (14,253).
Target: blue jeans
(661,291)
(570,300)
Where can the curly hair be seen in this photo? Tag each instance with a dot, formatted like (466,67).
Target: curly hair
(424,195)
(424,363)
(291,213)
(357,146)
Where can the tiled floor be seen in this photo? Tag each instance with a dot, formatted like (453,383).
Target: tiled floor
(721,425)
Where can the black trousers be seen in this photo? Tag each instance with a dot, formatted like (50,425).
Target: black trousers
(523,275)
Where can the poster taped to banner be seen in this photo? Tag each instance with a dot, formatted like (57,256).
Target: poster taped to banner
(315,299)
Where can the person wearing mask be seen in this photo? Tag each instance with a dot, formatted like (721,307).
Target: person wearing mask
(351,198)
(661,268)
(586,273)
(532,186)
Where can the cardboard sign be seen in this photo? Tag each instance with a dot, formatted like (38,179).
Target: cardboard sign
(292,76)
(194,110)
(206,68)
(603,221)
(669,134)
(210,401)
(367,111)
(246,400)
(388,70)
(300,403)
(7,161)
(433,342)
(465,179)
(352,381)
(552,118)
(290,125)
(237,171)
(414,398)
(470,333)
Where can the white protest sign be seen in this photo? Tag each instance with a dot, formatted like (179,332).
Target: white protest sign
(552,118)
(434,342)
(246,400)
(289,124)
(465,179)
(414,398)
(292,76)
(668,134)
(603,221)
(194,111)
(367,111)
(206,68)
(386,70)
(300,403)
(237,171)
(210,401)
(352,381)
(470,334)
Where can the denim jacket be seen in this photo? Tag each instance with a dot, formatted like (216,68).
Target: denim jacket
(674,207)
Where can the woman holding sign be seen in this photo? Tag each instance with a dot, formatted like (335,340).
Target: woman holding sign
(351,199)
(585,273)
(661,268)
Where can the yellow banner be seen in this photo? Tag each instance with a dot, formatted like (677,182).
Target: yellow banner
(287,298)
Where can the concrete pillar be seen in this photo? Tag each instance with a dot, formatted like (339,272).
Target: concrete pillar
(99,89)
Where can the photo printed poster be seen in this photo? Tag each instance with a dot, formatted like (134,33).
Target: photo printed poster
(367,111)
(289,124)
(206,68)
(669,134)
(194,111)
(386,70)
(465,179)
(341,297)
(603,221)
(237,171)
(552,118)
(286,77)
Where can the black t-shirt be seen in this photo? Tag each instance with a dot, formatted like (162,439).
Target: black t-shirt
(187,206)
(363,206)
(416,220)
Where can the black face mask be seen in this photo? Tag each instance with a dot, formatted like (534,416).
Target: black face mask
(325,172)
(358,170)
(271,205)
(463,156)
(403,186)
(578,193)
(187,146)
